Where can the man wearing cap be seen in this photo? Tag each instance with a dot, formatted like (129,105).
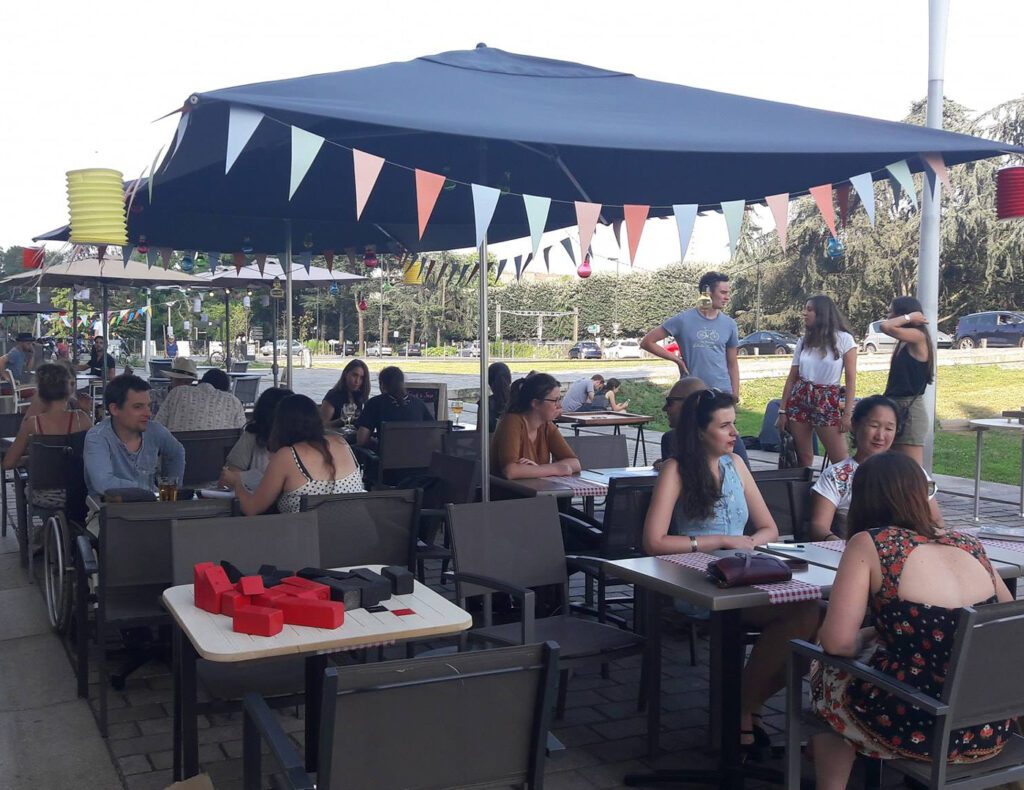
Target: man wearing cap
(199,408)
(19,359)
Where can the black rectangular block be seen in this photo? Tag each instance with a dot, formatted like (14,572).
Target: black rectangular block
(232,572)
(381,586)
(349,592)
(401,579)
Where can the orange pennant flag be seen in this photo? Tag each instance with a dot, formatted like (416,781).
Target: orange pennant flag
(779,205)
(636,216)
(938,166)
(587,215)
(823,197)
(367,168)
(428,187)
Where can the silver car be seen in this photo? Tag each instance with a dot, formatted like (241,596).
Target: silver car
(876,340)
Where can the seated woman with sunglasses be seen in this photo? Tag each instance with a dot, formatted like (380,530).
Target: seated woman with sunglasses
(701,503)
(527,442)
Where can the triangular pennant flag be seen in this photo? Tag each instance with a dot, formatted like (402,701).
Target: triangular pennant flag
(238,259)
(328,260)
(518,263)
(501,268)
(452,271)
(587,215)
(617,232)
(462,275)
(685,213)
(485,200)
(567,243)
(900,171)
(428,187)
(133,190)
(537,215)
(823,197)
(261,262)
(306,259)
(866,191)
(472,274)
(441,271)
(179,133)
(938,166)
(779,206)
(165,254)
(305,147)
(126,253)
(213,260)
(732,210)
(843,198)
(547,259)
(526,263)
(367,168)
(636,217)
(350,253)
(430,270)
(242,123)
(152,173)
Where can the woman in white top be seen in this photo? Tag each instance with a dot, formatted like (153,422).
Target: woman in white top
(811,396)
(305,460)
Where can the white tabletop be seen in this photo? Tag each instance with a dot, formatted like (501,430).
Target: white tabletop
(214,639)
(998,422)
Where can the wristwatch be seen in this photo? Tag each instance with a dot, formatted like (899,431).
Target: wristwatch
(906,317)
(694,548)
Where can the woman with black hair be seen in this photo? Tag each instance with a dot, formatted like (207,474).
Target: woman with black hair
(911,371)
(251,453)
(305,460)
(353,386)
(499,379)
(527,442)
(701,503)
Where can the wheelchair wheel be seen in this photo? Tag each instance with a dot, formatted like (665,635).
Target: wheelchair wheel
(58,571)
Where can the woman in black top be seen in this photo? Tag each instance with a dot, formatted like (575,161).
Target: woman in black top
(499,379)
(353,387)
(911,371)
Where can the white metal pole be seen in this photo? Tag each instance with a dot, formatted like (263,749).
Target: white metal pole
(928,263)
(288,302)
(482,416)
(149,327)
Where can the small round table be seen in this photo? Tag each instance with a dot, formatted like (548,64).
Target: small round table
(995,424)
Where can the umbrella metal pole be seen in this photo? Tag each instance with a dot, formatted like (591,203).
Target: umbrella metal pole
(149,327)
(227,330)
(273,341)
(288,300)
(106,337)
(482,417)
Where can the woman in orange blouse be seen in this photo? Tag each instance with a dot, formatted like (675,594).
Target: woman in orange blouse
(526,442)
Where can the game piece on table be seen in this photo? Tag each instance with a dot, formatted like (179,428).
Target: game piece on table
(210,582)
(402,612)
(232,600)
(376,609)
(318,614)
(381,586)
(233,573)
(250,585)
(320,590)
(258,621)
(345,591)
(401,579)
(267,597)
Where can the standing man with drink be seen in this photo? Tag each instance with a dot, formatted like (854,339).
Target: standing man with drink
(707,339)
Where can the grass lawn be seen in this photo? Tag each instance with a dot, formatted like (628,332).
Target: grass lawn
(471,366)
(964,391)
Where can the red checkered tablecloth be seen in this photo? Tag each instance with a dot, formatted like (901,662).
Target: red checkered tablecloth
(790,592)
(1009,545)
(696,560)
(580,486)
(831,545)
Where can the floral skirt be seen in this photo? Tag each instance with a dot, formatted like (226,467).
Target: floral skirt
(817,404)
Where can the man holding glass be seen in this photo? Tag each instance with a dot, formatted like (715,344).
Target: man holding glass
(127,450)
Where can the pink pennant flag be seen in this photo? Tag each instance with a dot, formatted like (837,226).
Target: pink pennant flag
(636,216)
(779,205)
(938,166)
(261,262)
(843,196)
(428,187)
(587,215)
(165,255)
(823,197)
(367,168)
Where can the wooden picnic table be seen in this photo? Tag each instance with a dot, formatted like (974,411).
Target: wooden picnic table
(605,419)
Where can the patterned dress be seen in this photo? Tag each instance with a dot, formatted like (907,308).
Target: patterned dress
(290,501)
(915,645)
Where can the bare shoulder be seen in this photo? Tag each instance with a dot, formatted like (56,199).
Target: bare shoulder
(861,546)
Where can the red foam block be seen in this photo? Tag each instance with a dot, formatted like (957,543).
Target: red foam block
(402,612)
(269,596)
(250,585)
(322,591)
(232,600)
(318,614)
(258,621)
(211,582)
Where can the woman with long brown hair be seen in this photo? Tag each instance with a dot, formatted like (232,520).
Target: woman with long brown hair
(911,371)
(352,387)
(812,398)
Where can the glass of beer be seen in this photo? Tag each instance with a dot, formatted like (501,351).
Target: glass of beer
(168,489)
(457,410)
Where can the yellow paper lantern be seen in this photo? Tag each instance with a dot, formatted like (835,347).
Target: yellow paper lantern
(414,274)
(96,202)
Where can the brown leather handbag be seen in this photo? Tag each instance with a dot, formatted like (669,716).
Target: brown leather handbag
(745,569)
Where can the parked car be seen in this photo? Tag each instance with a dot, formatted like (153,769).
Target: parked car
(767,342)
(469,349)
(377,350)
(876,340)
(412,350)
(585,349)
(267,349)
(627,348)
(998,327)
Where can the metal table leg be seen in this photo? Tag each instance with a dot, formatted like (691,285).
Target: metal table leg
(977,472)
(186,727)
(315,666)
(1021,514)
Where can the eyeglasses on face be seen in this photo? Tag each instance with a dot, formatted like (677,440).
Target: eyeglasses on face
(552,400)
(670,399)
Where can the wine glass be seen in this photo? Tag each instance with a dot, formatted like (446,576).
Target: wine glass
(348,411)
(457,410)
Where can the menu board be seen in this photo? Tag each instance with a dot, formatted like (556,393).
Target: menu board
(434,394)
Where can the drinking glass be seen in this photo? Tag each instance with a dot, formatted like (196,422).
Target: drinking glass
(168,489)
(457,410)
(348,411)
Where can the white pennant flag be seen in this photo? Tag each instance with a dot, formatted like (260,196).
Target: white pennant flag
(686,214)
(866,191)
(242,123)
(305,147)
(485,200)
(537,214)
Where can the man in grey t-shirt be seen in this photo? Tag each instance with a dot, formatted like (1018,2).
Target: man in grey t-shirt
(581,393)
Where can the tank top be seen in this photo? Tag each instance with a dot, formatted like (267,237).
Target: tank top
(908,377)
(730,516)
(289,501)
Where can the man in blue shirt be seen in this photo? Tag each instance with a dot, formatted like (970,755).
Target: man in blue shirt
(19,359)
(126,450)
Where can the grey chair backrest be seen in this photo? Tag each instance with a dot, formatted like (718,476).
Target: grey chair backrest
(464,444)
(409,445)
(467,720)
(246,389)
(287,540)
(366,528)
(158,368)
(50,461)
(983,683)
(239,367)
(787,499)
(600,452)
(205,453)
(516,540)
(457,480)
(625,509)
(10,424)
(135,539)
(792,473)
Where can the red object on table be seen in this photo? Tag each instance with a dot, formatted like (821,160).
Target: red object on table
(258,621)
(210,582)
(250,585)
(269,597)
(318,614)
(322,591)
(402,612)
(232,600)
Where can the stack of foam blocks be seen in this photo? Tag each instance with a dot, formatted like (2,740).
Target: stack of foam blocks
(261,604)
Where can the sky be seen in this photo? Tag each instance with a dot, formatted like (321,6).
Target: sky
(83,82)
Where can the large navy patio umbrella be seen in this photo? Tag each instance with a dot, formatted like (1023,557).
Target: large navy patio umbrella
(524,124)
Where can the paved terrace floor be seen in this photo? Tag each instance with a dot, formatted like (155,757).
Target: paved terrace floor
(49,738)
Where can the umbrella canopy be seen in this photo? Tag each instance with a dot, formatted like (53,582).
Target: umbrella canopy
(26,308)
(249,276)
(111,272)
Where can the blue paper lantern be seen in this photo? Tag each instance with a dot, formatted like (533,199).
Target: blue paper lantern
(187,264)
(334,289)
(834,248)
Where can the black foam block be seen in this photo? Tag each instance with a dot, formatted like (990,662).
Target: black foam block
(401,579)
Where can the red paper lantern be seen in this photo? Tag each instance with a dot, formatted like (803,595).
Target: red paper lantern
(1010,193)
(369,258)
(362,305)
(584,271)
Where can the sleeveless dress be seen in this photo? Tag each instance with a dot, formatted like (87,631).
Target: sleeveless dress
(915,645)
(289,501)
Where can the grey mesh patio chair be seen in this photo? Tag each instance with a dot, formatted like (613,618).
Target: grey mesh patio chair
(600,451)
(514,546)
(405,449)
(982,685)
(246,389)
(464,720)
(456,482)
(465,444)
(205,453)
(10,424)
(786,492)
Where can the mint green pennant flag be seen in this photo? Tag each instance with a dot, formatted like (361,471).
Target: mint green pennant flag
(686,214)
(305,147)
(485,200)
(537,215)
(242,123)
(732,210)
(900,171)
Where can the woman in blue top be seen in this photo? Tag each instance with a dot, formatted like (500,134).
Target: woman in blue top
(702,502)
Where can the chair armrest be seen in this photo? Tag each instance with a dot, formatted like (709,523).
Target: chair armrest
(582,563)
(86,556)
(260,719)
(432,512)
(524,595)
(862,671)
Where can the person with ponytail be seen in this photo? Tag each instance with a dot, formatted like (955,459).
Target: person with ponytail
(527,442)
(305,460)
(911,371)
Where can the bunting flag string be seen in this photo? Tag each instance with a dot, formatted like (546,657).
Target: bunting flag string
(305,147)
(430,270)
(685,215)
(518,263)
(165,255)
(126,254)
(537,209)
(843,198)
(547,259)
(526,263)
(440,273)
(261,263)
(472,274)
(242,123)
(938,167)
(501,268)
(732,210)
(823,198)
(306,259)
(567,243)
(485,201)
(587,215)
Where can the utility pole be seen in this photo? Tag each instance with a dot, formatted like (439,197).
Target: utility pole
(575,324)
(757,309)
